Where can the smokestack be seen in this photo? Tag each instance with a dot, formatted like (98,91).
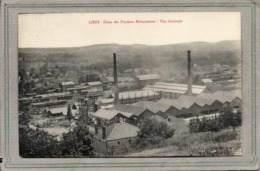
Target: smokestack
(115,79)
(96,129)
(104,133)
(189,91)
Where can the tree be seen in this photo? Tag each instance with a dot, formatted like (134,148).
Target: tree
(37,144)
(230,117)
(77,143)
(69,113)
(24,119)
(153,132)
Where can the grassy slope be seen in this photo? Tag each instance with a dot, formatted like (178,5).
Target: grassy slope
(224,143)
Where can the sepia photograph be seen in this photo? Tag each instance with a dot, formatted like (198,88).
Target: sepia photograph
(115,85)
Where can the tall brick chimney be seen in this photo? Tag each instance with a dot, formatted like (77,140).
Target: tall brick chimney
(96,128)
(104,132)
(115,80)
(189,91)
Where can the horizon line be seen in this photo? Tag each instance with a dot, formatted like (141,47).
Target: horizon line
(122,44)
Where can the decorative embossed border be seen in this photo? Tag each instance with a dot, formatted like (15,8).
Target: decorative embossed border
(6,6)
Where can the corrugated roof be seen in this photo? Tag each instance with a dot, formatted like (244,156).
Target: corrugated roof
(107,101)
(122,131)
(67,83)
(130,109)
(148,77)
(153,88)
(136,94)
(152,106)
(94,83)
(175,88)
(105,114)
(109,114)
(201,100)
(222,95)
(186,102)
(206,80)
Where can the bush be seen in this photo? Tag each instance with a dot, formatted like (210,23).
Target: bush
(77,143)
(39,144)
(223,143)
(226,119)
(153,132)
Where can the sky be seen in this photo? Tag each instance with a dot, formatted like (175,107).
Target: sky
(76,29)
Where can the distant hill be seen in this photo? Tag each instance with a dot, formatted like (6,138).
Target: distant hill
(203,53)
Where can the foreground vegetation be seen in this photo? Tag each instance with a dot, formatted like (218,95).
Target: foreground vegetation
(155,138)
(223,143)
(39,144)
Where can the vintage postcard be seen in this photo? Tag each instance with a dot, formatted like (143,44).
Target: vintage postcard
(128,87)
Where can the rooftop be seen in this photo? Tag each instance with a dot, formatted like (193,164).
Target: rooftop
(52,95)
(136,94)
(67,83)
(148,77)
(201,100)
(152,106)
(119,131)
(109,114)
(58,110)
(174,88)
(130,109)
(94,83)
(105,101)
(207,80)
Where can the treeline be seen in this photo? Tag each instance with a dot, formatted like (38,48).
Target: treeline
(39,144)
(227,118)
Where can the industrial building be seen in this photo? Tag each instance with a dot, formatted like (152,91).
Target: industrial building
(95,86)
(77,89)
(53,96)
(207,81)
(147,79)
(187,106)
(48,104)
(59,111)
(135,96)
(122,81)
(118,135)
(155,108)
(66,84)
(104,103)
(94,91)
(108,117)
(139,112)
(62,111)
(173,90)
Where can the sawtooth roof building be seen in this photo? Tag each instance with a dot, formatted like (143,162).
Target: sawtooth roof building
(187,106)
